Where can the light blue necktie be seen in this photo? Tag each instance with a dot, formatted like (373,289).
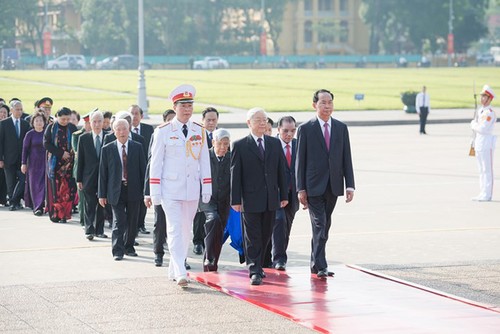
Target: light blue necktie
(18,131)
(98,146)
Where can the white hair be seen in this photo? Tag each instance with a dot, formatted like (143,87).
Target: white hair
(119,122)
(123,114)
(96,113)
(220,134)
(253,111)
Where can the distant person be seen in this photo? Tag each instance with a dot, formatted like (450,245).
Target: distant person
(168,115)
(483,126)
(33,164)
(217,210)
(75,118)
(269,127)
(258,189)
(12,133)
(61,186)
(210,119)
(423,106)
(323,167)
(106,124)
(121,179)
(4,113)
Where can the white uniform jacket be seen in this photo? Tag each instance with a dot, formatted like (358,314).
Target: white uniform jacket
(483,126)
(179,164)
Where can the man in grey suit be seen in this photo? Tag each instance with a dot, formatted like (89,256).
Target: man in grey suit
(258,188)
(323,164)
(121,180)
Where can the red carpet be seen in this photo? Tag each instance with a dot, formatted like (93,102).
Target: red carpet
(355,302)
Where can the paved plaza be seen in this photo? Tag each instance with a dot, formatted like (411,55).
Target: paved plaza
(412,218)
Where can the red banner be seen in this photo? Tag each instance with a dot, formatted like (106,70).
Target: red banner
(263,43)
(451,48)
(47,43)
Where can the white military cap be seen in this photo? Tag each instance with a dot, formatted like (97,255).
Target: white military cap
(183,93)
(488,91)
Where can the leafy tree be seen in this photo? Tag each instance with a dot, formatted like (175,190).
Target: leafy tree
(399,25)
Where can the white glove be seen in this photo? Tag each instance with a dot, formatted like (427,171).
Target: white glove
(156,200)
(205,198)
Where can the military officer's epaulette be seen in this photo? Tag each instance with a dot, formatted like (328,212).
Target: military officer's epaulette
(163,124)
(199,124)
(77,132)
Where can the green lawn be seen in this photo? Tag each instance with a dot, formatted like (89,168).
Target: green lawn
(274,90)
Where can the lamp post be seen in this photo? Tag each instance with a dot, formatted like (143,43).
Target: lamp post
(142,98)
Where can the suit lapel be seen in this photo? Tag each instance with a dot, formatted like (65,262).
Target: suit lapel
(253,146)
(318,132)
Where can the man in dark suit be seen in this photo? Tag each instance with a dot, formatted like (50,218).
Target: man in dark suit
(258,188)
(134,136)
(210,119)
(87,176)
(284,216)
(217,210)
(121,180)
(12,133)
(146,131)
(323,164)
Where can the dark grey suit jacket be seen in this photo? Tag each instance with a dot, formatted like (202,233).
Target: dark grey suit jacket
(110,172)
(88,162)
(290,176)
(315,166)
(258,185)
(221,178)
(146,133)
(11,147)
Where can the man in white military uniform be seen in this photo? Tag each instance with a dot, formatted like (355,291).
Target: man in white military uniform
(483,126)
(179,164)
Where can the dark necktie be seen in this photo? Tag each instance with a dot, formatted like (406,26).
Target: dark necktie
(288,155)
(18,131)
(261,148)
(124,161)
(327,137)
(98,146)
(137,130)
(185,130)
(210,136)
(220,158)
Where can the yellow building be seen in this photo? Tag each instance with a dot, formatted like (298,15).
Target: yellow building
(323,27)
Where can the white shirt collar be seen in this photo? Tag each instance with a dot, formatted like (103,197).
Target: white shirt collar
(322,122)
(94,135)
(255,139)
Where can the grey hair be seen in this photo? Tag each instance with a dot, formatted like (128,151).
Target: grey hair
(119,122)
(15,103)
(97,114)
(220,134)
(123,114)
(253,111)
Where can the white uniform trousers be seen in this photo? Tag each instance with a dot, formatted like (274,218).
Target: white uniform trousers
(485,166)
(179,215)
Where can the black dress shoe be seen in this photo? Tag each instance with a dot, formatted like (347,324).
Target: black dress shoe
(158,260)
(255,279)
(13,208)
(118,257)
(198,249)
(90,236)
(186,265)
(136,243)
(143,230)
(131,253)
(102,235)
(38,213)
(280,266)
(63,221)
(324,273)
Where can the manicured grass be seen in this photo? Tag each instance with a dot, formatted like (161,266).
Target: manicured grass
(274,90)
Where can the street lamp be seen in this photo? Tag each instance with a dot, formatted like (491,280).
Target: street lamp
(142,98)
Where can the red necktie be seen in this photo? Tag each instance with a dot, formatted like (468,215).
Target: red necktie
(124,161)
(327,137)
(288,155)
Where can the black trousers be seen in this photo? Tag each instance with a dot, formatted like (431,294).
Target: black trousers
(424,112)
(257,229)
(125,217)
(281,233)
(3,187)
(142,215)
(198,228)
(215,223)
(14,179)
(93,213)
(320,212)
(159,231)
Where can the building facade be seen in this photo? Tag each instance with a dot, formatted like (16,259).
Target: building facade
(323,27)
